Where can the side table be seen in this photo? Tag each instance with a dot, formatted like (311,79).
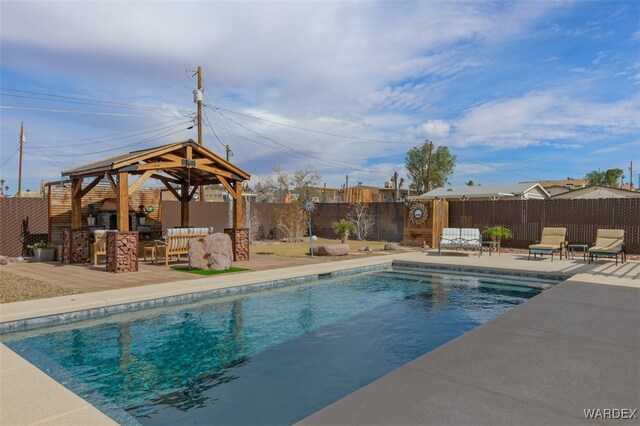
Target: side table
(493,246)
(584,247)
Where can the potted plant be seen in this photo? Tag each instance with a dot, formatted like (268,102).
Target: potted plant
(91,219)
(142,214)
(41,251)
(498,233)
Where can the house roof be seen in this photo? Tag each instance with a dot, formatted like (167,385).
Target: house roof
(202,168)
(559,182)
(592,192)
(483,191)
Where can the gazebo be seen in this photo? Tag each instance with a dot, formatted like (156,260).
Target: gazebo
(181,166)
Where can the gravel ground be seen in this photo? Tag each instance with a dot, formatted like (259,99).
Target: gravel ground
(15,288)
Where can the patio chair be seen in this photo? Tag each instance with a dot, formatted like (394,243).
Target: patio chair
(450,238)
(609,243)
(471,239)
(99,245)
(553,239)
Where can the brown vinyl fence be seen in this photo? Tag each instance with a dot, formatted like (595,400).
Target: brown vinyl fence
(25,220)
(526,218)
(22,221)
(260,217)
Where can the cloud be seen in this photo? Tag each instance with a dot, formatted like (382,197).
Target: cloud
(550,118)
(398,72)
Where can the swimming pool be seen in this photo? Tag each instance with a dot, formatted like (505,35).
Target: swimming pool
(272,357)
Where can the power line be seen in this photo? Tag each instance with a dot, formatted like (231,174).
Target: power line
(114,114)
(144,141)
(321,132)
(125,135)
(346,166)
(75,99)
(10,156)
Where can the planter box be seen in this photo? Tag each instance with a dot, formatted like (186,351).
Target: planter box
(43,254)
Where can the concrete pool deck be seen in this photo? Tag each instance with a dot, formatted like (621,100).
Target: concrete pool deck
(574,347)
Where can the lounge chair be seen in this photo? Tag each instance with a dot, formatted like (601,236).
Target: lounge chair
(553,239)
(99,245)
(609,243)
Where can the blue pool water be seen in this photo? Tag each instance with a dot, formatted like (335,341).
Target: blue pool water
(272,357)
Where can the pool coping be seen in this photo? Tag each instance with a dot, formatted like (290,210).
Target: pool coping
(15,371)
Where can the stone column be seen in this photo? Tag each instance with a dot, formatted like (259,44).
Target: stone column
(75,246)
(240,243)
(122,251)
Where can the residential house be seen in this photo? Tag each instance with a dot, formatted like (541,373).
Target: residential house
(515,191)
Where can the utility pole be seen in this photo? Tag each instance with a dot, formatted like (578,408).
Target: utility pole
(20,166)
(229,152)
(631,176)
(427,185)
(197,98)
(395,184)
(346,189)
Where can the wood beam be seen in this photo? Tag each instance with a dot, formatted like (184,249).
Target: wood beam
(193,192)
(147,155)
(113,184)
(146,175)
(89,187)
(171,157)
(228,187)
(76,203)
(168,179)
(213,170)
(184,205)
(122,201)
(237,206)
(171,189)
(155,165)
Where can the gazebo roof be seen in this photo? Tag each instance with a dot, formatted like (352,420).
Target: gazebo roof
(184,161)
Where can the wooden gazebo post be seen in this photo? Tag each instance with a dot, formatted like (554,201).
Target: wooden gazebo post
(184,205)
(239,235)
(122,201)
(75,241)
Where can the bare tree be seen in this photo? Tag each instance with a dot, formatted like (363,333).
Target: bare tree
(361,217)
(276,186)
(292,220)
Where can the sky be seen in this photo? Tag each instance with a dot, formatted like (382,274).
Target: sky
(518,91)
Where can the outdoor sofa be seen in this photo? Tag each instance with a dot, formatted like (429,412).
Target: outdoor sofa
(175,241)
(553,239)
(460,238)
(609,243)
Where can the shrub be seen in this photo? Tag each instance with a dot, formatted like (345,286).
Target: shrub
(498,233)
(343,229)
(292,220)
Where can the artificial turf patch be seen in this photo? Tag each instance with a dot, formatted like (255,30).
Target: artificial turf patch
(208,272)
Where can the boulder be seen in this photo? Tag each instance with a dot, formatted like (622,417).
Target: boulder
(213,252)
(197,259)
(331,250)
(3,260)
(219,249)
(392,247)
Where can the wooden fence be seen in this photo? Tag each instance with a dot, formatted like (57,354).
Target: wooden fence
(526,218)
